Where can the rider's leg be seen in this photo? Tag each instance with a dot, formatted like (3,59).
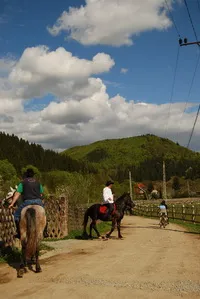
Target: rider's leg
(17,216)
(110,210)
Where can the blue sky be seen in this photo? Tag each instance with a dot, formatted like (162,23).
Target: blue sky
(150,60)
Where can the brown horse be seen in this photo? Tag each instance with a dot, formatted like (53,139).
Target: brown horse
(32,225)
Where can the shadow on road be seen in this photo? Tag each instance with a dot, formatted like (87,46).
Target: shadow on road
(156,227)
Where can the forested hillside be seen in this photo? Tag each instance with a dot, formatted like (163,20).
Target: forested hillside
(143,155)
(59,174)
(20,153)
(81,172)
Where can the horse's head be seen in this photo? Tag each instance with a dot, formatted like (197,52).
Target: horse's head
(9,196)
(128,201)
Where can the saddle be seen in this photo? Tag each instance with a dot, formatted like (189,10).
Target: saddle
(103,209)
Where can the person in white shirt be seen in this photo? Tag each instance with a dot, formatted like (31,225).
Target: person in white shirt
(108,198)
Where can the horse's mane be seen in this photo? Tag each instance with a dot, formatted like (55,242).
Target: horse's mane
(120,199)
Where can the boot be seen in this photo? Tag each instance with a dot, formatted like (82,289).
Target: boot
(17,229)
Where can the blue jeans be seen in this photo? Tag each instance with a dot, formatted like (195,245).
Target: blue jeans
(26,203)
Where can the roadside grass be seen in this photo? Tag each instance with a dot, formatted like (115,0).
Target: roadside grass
(10,255)
(191,227)
(13,254)
(102,227)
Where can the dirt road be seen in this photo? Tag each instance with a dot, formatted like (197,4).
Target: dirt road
(148,263)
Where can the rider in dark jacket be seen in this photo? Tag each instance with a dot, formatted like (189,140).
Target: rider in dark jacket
(31,191)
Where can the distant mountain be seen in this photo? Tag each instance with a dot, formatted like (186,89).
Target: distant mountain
(143,155)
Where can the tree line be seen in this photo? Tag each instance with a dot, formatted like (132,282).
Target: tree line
(20,152)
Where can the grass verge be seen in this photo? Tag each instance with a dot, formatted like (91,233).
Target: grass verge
(102,227)
(13,254)
(191,227)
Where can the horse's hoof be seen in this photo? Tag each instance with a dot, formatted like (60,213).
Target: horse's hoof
(121,238)
(38,270)
(105,239)
(20,273)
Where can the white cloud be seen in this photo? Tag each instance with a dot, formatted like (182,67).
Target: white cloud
(112,22)
(83,111)
(6,64)
(124,71)
(40,71)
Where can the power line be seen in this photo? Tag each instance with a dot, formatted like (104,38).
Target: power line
(191,134)
(172,91)
(191,85)
(198,4)
(186,5)
(173,21)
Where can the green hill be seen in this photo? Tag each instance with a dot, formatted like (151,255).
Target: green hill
(143,155)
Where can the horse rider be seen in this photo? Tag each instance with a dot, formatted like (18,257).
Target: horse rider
(108,199)
(31,191)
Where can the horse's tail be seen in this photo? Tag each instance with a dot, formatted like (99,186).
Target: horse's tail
(32,240)
(86,216)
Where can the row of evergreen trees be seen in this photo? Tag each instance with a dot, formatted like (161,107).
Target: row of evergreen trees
(152,170)
(20,152)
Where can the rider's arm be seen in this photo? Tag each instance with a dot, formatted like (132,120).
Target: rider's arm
(17,194)
(15,198)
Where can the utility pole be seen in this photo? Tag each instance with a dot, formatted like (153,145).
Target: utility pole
(164,182)
(188,188)
(130,183)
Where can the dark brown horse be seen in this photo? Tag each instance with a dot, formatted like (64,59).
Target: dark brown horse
(97,211)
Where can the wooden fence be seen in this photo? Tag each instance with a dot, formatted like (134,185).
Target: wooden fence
(62,217)
(57,217)
(185,212)
(7,226)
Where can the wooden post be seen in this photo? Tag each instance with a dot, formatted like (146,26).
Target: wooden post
(183,212)
(164,182)
(193,214)
(188,187)
(173,212)
(130,183)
